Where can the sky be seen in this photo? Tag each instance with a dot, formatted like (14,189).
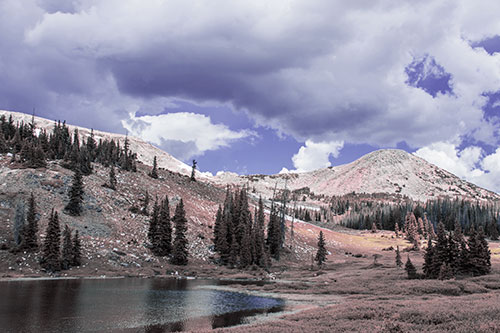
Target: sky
(261,87)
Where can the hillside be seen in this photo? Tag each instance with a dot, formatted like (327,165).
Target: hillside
(388,171)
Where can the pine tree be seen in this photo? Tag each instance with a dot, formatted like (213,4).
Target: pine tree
(481,255)
(399,263)
(320,257)
(428,267)
(396,229)
(163,238)
(259,240)
(410,269)
(74,207)
(180,251)
(145,204)
(154,172)
(51,256)
(76,251)
(493,229)
(153,225)
(67,249)
(274,234)
(441,253)
(112,178)
(193,169)
(19,225)
(217,228)
(31,228)
(445,272)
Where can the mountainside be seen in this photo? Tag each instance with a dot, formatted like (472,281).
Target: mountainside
(388,171)
(145,151)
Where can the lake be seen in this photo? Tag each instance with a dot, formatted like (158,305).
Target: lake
(125,305)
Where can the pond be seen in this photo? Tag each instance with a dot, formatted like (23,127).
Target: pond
(125,305)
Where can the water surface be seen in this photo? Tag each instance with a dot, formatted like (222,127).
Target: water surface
(124,305)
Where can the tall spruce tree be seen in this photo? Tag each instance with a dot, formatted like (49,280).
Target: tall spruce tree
(193,170)
(31,227)
(399,263)
(51,256)
(320,257)
(67,249)
(154,171)
(259,240)
(76,251)
(180,251)
(153,225)
(428,266)
(163,238)
(273,234)
(217,228)
(112,178)
(74,207)
(410,269)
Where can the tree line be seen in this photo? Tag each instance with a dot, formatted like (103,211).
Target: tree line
(392,216)
(34,147)
(451,254)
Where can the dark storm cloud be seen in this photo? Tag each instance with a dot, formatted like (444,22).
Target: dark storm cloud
(326,70)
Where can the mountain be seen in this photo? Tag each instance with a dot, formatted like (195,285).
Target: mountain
(390,171)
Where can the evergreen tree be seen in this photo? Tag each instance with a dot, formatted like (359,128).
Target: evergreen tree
(31,228)
(154,172)
(493,229)
(428,267)
(374,227)
(320,257)
(233,253)
(259,240)
(76,251)
(410,269)
(445,272)
(74,207)
(163,239)
(145,204)
(399,263)
(153,225)
(51,256)
(67,249)
(273,234)
(217,228)
(480,254)
(19,225)
(193,169)
(180,251)
(396,230)
(112,178)
(441,254)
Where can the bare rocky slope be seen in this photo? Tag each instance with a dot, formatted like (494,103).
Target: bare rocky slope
(390,171)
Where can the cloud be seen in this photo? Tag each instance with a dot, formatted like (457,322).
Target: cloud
(320,71)
(468,163)
(315,155)
(183,134)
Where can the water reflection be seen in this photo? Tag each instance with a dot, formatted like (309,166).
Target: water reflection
(124,305)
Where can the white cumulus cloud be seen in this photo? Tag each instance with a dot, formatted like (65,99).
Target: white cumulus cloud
(183,134)
(469,163)
(315,155)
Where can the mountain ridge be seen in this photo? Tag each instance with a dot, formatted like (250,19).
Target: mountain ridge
(391,171)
